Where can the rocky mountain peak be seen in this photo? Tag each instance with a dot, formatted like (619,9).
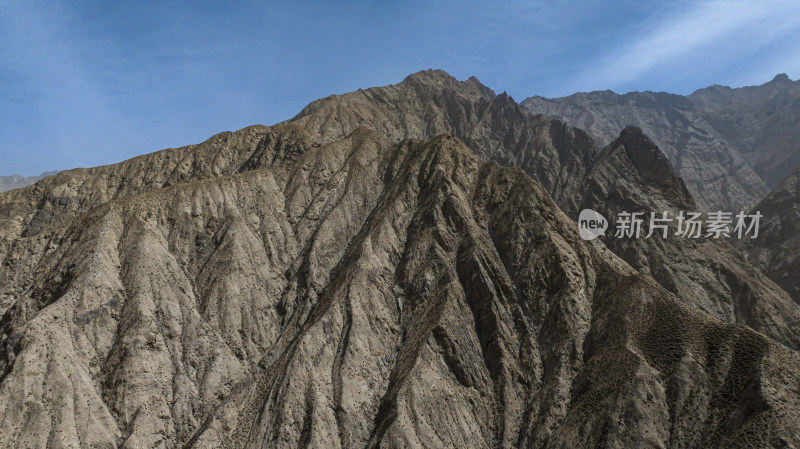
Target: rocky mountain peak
(781,78)
(643,151)
(16,181)
(652,166)
(430,75)
(431,79)
(431,102)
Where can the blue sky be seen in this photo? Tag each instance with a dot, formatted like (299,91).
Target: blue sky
(91,83)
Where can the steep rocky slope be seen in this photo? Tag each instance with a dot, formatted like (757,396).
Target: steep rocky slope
(56,199)
(357,293)
(432,102)
(632,175)
(730,145)
(762,121)
(423,106)
(712,276)
(777,250)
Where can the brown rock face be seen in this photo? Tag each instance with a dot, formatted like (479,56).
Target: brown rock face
(297,286)
(730,145)
(709,275)
(432,102)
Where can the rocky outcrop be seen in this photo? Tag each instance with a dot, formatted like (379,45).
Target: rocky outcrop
(633,175)
(360,293)
(729,145)
(777,249)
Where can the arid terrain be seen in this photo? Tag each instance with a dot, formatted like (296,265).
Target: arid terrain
(400,267)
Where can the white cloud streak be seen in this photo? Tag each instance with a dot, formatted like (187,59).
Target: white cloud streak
(694,39)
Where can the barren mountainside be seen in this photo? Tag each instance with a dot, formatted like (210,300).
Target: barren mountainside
(710,275)
(632,175)
(730,145)
(395,267)
(432,102)
(777,251)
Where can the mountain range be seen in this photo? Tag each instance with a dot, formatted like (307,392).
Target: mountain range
(731,146)
(400,266)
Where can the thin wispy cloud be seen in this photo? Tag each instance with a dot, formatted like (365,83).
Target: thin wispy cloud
(696,38)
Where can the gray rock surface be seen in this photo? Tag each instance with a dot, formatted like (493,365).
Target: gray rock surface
(762,121)
(729,145)
(777,249)
(632,175)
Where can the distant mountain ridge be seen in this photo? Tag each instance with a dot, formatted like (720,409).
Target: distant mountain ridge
(731,146)
(17,182)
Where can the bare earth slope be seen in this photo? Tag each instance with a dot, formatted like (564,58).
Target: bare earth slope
(304,285)
(362,293)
